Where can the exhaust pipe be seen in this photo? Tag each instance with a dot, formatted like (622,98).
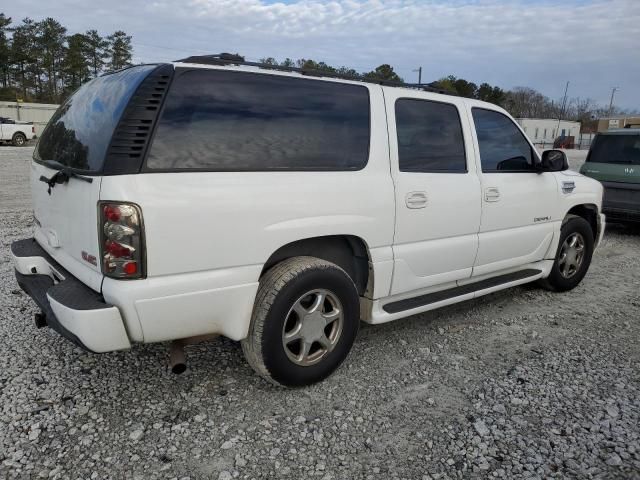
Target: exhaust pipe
(177,357)
(40,319)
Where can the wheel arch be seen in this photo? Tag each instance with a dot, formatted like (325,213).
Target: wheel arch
(589,212)
(349,252)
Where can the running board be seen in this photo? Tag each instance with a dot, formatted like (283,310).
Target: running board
(429,298)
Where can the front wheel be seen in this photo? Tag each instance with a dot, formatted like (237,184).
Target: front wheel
(18,140)
(573,256)
(305,320)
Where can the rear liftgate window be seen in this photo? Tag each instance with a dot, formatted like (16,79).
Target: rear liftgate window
(79,133)
(623,149)
(235,121)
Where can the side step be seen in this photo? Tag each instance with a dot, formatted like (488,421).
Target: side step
(422,300)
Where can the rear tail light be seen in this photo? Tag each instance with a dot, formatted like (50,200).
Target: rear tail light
(33,129)
(121,240)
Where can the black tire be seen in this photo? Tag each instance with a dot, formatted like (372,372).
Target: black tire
(558,282)
(18,139)
(283,287)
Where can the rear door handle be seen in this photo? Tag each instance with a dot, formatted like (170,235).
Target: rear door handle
(416,200)
(491,194)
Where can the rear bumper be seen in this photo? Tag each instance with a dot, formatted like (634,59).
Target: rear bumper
(622,215)
(621,201)
(71,308)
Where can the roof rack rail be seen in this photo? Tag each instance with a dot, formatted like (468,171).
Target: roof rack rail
(235,59)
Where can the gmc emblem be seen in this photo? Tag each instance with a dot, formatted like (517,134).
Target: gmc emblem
(89,258)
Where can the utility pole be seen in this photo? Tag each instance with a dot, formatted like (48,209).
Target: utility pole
(564,99)
(613,92)
(419,70)
(564,103)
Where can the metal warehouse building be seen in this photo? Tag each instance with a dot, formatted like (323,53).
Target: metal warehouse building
(546,130)
(38,113)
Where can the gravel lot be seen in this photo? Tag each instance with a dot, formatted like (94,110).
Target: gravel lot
(519,384)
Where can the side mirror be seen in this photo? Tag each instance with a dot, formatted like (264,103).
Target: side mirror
(553,161)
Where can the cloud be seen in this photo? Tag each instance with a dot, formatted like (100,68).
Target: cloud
(538,43)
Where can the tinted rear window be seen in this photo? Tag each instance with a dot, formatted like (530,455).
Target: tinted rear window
(623,149)
(234,121)
(79,133)
(429,137)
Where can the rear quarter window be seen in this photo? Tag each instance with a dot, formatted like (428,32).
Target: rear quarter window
(216,120)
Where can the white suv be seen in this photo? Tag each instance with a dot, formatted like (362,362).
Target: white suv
(279,208)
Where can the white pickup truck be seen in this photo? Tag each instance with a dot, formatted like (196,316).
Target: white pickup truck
(280,208)
(16,132)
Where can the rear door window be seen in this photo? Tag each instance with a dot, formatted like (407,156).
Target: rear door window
(216,120)
(503,147)
(624,149)
(79,133)
(429,137)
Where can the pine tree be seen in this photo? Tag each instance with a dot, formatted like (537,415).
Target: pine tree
(96,51)
(120,50)
(76,62)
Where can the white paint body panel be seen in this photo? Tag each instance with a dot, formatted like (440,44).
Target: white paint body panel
(209,234)
(68,223)
(437,243)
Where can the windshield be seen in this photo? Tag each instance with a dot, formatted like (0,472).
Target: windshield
(79,133)
(615,149)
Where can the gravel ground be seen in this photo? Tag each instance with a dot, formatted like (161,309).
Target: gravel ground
(519,384)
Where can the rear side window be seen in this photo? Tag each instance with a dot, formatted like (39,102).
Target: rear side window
(503,148)
(429,137)
(624,149)
(235,121)
(79,133)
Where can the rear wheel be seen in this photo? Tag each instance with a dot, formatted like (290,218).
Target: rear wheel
(573,256)
(18,139)
(304,322)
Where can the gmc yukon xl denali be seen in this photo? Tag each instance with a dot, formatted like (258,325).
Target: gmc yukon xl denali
(278,208)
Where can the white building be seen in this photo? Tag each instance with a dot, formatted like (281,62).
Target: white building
(546,130)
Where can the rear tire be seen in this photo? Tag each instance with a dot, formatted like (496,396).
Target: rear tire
(305,319)
(573,256)
(18,140)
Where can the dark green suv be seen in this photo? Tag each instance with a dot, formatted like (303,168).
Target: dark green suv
(614,160)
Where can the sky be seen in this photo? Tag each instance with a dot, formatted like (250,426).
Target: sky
(592,44)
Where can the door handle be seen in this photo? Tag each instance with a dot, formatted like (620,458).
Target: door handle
(491,194)
(416,200)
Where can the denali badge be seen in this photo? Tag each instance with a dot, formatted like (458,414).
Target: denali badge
(89,258)
(541,219)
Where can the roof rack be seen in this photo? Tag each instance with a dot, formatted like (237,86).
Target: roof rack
(235,59)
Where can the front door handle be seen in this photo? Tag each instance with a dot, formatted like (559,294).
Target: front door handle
(416,200)
(491,194)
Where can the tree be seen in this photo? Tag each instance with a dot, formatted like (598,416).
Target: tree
(4,50)
(23,55)
(120,50)
(487,93)
(50,42)
(383,72)
(76,62)
(96,51)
